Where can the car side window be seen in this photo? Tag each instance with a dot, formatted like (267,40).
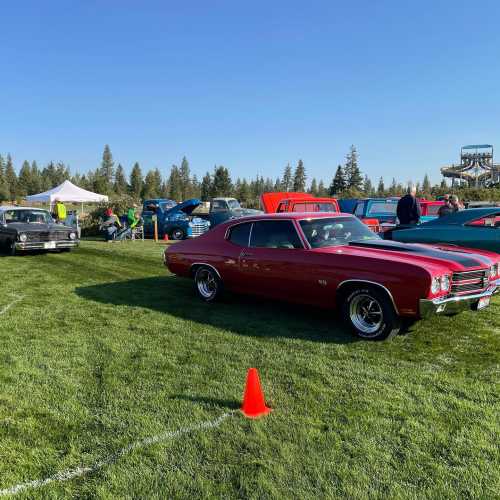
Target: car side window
(275,234)
(359,209)
(240,234)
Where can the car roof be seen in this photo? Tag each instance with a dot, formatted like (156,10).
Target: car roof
(464,216)
(293,216)
(7,207)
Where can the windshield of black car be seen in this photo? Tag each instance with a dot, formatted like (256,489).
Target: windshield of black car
(27,216)
(335,231)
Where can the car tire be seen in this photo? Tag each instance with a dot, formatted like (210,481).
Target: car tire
(177,234)
(208,285)
(370,314)
(12,248)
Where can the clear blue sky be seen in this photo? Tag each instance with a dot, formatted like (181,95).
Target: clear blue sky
(250,85)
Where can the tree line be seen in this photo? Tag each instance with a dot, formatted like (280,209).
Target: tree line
(180,184)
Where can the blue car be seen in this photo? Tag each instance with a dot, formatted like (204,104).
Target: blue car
(382,209)
(174,220)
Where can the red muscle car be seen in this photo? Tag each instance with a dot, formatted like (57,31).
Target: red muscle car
(335,261)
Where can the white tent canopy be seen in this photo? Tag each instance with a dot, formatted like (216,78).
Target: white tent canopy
(68,192)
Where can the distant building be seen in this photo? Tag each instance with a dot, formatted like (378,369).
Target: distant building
(476,168)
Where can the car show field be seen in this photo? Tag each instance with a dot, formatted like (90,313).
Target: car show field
(116,382)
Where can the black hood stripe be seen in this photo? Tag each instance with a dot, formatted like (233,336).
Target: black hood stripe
(462,258)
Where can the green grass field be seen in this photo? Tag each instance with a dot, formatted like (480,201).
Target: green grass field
(101,349)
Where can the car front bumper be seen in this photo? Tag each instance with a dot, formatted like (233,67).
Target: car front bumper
(453,305)
(45,245)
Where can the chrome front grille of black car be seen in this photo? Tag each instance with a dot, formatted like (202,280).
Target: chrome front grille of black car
(469,281)
(48,236)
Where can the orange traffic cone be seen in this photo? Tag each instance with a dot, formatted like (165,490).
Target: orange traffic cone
(254,405)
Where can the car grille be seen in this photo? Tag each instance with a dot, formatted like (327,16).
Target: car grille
(199,229)
(469,281)
(48,236)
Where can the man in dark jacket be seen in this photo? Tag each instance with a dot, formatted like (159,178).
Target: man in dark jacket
(408,210)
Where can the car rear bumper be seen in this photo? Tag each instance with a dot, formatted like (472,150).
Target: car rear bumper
(453,305)
(45,245)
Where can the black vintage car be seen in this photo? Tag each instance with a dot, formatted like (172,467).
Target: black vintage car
(25,229)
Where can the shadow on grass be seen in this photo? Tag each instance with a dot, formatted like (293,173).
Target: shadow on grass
(243,315)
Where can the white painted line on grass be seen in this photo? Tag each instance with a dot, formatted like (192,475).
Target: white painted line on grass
(17,299)
(69,474)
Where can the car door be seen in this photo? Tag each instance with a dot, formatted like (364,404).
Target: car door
(276,262)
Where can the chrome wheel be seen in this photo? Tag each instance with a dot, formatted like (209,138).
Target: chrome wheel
(366,314)
(178,234)
(207,284)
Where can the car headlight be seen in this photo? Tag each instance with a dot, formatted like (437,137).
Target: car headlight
(445,282)
(23,237)
(72,236)
(495,270)
(436,285)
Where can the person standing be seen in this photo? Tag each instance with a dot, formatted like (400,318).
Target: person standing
(408,210)
(60,210)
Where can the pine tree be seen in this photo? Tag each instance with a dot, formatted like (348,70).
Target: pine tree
(277,185)
(195,187)
(106,172)
(206,187)
(152,184)
(393,189)
(221,185)
(4,191)
(11,178)
(48,177)
(299,177)
(321,189)
(185,178)
(121,185)
(314,187)
(36,180)
(24,180)
(136,181)
(381,187)
(338,184)
(368,187)
(354,179)
(426,185)
(286,183)
(175,184)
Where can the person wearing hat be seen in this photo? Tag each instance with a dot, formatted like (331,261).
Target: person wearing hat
(110,224)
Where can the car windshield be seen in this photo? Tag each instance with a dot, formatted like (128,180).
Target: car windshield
(382,207)
(27,216)
(233,204)
(335,231)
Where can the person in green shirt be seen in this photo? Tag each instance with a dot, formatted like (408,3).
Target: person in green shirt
(132,219)
(60,211)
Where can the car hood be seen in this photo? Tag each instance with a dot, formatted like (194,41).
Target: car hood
(186,207)
(425,256)
(25,227)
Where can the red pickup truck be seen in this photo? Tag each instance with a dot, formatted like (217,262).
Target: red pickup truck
(297,202)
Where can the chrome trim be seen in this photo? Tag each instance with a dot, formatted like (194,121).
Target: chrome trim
(371,283)
(452,305)
(205,264)
(30,245)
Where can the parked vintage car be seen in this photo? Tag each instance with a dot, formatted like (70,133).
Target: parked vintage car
(24,229)
(430,209)
(472,228)
(333,260)
(277,202)
(379,214)
(176,220)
